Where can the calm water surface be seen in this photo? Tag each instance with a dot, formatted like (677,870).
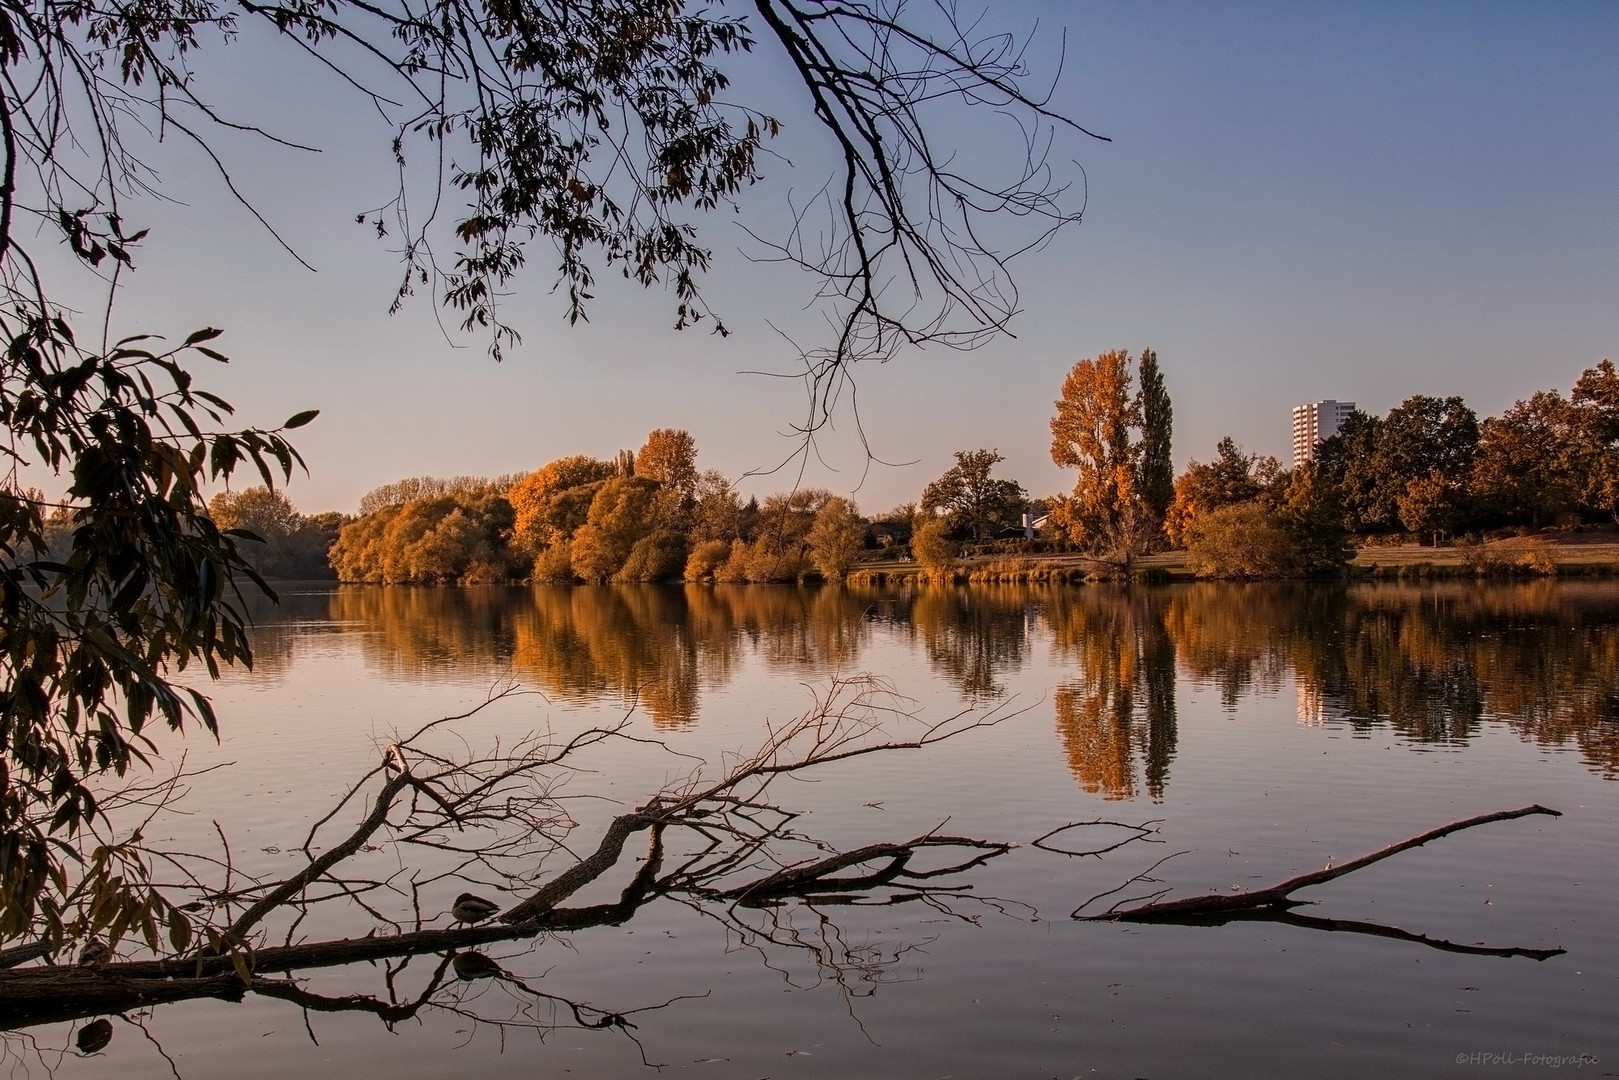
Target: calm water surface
(1271,729)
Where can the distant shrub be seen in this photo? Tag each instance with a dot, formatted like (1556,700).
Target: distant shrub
(707,559)
(772,562)
(1510,558)
(555,564)
(1032,571)
(659,557)
(1241,541)
(735,568)
(932,546)
(1534,556)
(1483,560)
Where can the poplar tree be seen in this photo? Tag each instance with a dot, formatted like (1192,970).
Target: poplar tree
(1120,443)
(1157,463)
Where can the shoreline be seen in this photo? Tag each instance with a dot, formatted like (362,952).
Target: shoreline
(1592,555)
(1576,555)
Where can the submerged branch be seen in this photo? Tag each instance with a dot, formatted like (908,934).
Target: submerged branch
(582,873)
(1279,895)
(816,877)
(1292,917)
(504,808)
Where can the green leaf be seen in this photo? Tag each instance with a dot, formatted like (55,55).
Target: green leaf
(207,333)
(238,960)
(179,931)
(300,419)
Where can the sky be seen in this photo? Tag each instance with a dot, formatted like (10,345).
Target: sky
(1298,201)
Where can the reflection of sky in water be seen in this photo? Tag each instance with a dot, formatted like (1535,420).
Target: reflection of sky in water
(1272,728)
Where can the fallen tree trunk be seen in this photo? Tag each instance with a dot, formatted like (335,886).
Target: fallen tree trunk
(53,994)
(1279,896)
(10,958)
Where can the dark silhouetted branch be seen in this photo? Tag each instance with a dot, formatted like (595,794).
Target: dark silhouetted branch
(1279,895)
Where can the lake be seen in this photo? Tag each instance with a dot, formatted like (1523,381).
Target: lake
(1262,731)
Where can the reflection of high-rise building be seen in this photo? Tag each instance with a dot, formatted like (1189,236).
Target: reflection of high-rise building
(1314,708)
(1315,422)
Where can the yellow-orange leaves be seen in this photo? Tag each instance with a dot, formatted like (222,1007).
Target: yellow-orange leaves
(1091,433)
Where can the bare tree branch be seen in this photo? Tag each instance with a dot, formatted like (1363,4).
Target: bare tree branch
(1279,895)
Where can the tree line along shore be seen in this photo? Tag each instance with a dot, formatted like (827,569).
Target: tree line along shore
(1427,490)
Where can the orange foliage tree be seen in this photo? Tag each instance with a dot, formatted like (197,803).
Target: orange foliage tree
(836,537)
(625,512)
(669,456)
(1091,432)
(553,501)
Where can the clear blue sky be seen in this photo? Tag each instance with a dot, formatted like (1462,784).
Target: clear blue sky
(1360,201)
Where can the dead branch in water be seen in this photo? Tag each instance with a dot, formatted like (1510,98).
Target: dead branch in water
(496,818)
(1147,832)
(1278,897)
(1355,926)
(817,877)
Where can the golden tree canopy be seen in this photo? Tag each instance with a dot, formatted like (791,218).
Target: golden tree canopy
(836,537)
(543,517)
(669,456)
(1091,432)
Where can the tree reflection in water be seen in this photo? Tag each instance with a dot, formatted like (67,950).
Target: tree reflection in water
(656,645)
(974,635)
(1439,664)
(1123,700)
(1432,663)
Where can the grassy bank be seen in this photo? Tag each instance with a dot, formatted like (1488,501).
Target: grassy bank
(1021,569)
(1560,555)
(1553,555)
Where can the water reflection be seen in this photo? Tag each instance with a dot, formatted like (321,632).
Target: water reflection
(1434,664)
(658,646)
(1120,706)
(974,636)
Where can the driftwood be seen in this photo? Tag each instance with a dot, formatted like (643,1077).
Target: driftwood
(22,954)
(817,877)
(497,813)
(1278,898)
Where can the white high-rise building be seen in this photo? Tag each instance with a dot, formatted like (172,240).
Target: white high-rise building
(1314,423)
